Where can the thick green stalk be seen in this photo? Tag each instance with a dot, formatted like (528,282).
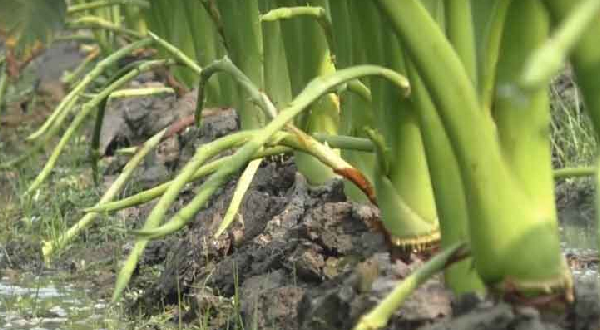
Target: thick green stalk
(451,204)
(494,195)
(180,33)
(134,19)
(459,23)
(489,19)
(277,80)
(523,121)
(203,33)
(50,248)
(401,175)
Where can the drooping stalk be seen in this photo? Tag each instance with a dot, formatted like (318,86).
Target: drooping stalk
(82,115)
(495,197)
(362,145)
(171,193)
(72,97)
(51,247)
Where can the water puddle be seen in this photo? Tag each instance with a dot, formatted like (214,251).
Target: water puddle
(580,244)
(46,303)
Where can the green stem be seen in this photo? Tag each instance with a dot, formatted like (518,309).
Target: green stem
(447,183)
(91,22)
(50,248)
(575,172)
(158,212)
(238,195)
(493,18)
(225,65)
(481,163)
(318,13)
(100,68)
(379,316)
(3,85)
(104,3)
(82,115)
(150,194)
(460,32)
(244,39)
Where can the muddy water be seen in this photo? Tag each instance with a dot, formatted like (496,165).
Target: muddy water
(45,302)
(580,243)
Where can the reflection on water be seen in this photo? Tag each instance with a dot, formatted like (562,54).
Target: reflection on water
(580,244)
(40,302)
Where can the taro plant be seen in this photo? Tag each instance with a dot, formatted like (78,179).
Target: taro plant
(444,105)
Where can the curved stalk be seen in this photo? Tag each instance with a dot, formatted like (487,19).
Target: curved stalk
(171,193)
(82,115)
(98,70)
(152,193)
(51,247)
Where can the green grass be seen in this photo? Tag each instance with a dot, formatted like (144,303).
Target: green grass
(573,139)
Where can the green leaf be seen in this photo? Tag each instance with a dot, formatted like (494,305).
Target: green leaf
(28,21)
